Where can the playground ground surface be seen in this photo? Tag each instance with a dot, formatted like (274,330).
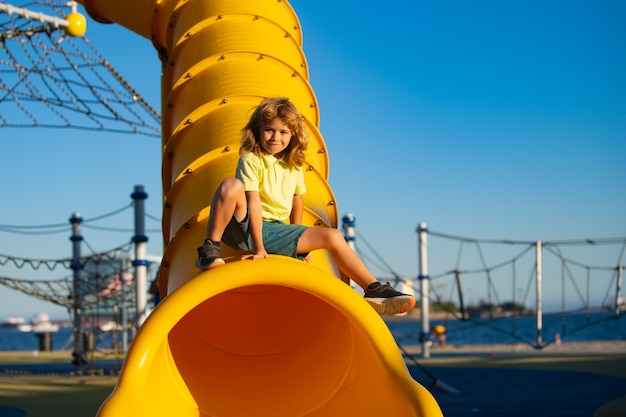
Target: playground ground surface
(569,380)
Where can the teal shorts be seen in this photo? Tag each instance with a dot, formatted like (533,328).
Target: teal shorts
(278,238)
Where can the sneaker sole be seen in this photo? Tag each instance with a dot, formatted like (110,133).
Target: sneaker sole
(395,305)
(217,262)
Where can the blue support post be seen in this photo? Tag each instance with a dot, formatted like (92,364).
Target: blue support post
(77,292)
(349,227)
(140,262)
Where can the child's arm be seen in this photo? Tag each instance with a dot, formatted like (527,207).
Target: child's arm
(296,210)
(256,224)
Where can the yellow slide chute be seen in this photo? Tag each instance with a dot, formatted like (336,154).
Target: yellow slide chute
(273,337)
(270,338)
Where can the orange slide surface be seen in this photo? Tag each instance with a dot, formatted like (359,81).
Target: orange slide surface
(271,337)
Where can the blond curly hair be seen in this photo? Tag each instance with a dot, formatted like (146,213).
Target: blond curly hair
(269,110)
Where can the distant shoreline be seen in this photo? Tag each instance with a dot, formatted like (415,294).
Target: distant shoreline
(415,315)
(610,346)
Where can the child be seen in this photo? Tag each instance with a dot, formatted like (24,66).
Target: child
(248,212)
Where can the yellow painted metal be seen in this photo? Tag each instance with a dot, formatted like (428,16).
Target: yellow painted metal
(135,16)
(185,15)
(234,33)
(237,74)
(77,24)
(311,348)
(272,337)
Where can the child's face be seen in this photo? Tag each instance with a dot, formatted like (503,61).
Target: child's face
(275,137)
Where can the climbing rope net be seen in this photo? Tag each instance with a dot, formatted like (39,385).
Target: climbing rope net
(106,282)
(104,278)
(53,80)
(498,299)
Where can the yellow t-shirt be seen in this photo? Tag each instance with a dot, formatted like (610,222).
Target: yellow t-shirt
(275,181)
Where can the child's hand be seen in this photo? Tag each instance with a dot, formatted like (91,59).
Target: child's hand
(307,258)
(262,254)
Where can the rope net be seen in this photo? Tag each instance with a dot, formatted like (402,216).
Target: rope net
(485,290)
(52,80)
(105,292)
(101,285)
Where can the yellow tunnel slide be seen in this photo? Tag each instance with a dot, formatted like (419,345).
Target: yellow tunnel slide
(272,337)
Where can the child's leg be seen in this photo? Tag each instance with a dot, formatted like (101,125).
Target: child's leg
(383,298)
(229,200)
(347,260)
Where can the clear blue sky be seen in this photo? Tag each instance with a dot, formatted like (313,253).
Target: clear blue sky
(485,119)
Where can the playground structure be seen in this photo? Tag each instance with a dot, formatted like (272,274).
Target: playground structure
(105,294)
(182,223)
(274,337)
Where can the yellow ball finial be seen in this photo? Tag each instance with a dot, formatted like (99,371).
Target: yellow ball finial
(77,24)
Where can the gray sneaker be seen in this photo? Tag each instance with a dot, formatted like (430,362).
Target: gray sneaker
(386,300)
(209,257)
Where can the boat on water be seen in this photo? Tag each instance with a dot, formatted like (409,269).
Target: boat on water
(40,323)
(12,322)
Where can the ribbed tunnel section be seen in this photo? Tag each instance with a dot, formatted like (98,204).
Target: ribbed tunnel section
(221,58)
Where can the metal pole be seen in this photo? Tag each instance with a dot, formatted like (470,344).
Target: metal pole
(123,313)
(140,263)
(457,277)
(618,289)
(539,295)
(31,15)
(77,291)
(422,231)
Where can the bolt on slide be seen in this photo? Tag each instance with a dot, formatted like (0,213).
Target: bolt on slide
(277,336)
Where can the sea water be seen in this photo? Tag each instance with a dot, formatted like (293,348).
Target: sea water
(15,340)
(579,327)
(572,327)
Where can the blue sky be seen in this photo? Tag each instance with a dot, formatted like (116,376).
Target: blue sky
(487,119)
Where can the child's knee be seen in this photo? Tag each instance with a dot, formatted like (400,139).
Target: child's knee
(231,182)
(335,237)
(231,186)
